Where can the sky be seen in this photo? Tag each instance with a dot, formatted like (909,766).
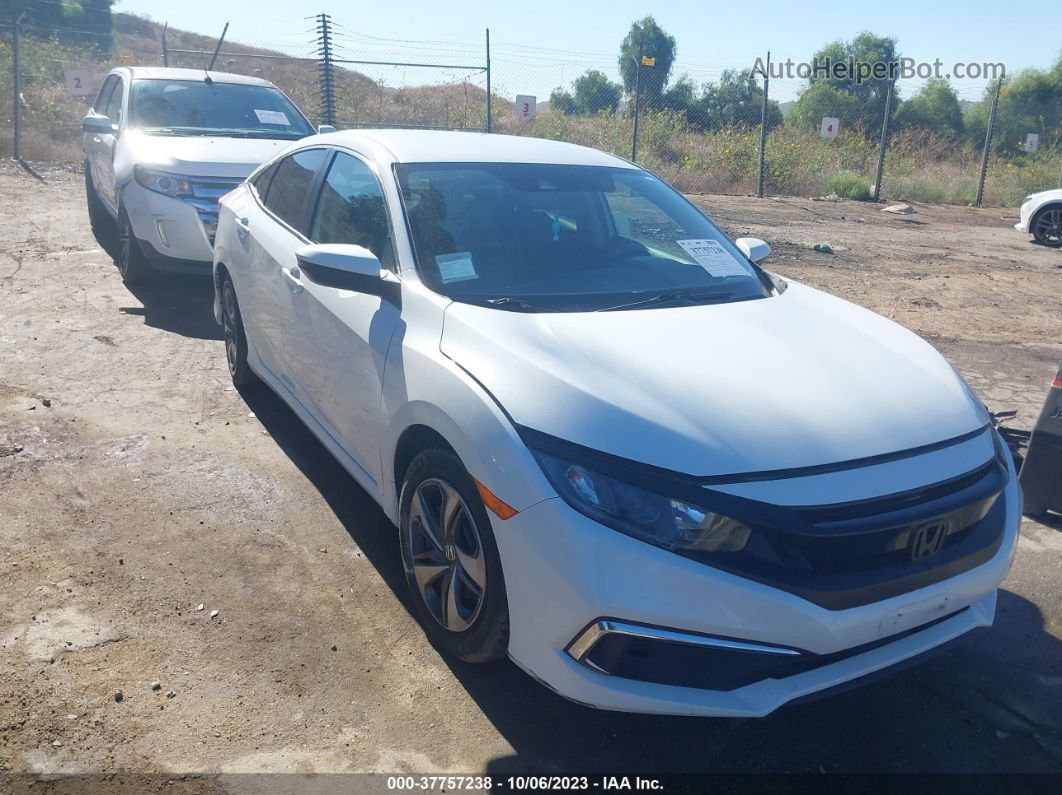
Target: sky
(537,46)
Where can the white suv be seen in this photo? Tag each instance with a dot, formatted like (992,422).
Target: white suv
(656,476)
(161,145)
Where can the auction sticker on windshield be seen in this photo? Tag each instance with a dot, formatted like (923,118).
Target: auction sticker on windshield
(711,256)
(271,117)
(456,267)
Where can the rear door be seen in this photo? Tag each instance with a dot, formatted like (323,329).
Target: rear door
(338,338)
(268,233)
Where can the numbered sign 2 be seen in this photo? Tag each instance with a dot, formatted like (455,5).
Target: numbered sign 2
(77,82)
(830,127)
(1032,142)
(524,106)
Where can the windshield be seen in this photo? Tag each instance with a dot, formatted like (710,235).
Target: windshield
(196,107)
(531,237)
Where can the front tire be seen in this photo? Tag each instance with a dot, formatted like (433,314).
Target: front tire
(451,560)
(1047,226)
(235,337)
(132,263)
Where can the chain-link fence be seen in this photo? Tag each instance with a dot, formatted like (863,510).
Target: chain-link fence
(719,128)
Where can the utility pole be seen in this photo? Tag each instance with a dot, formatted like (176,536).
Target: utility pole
(326,69)
(763,125)
(490,115)
(16,107)
(988,145)
(637,105)
(884,142)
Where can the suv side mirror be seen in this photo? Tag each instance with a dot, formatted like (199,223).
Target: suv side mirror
(97,124)
(325,128)
(753,248)
(347,267)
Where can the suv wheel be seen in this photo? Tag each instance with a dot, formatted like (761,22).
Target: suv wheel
(132,263)
(451,560)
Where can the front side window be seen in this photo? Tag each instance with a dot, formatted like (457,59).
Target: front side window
(566,238)
(105,94)
(112,106)
(290,188)
(351,209)
(196,107)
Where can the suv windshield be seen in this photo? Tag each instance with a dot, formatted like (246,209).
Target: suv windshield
(531,237)
(196,107)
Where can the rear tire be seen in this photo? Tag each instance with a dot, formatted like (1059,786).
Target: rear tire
(452,567)
(235,338)
(1046,226)
(132,263)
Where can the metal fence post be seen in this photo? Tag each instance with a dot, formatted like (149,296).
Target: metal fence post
(763,126)
(490,115)
(326,73)
(884,142)
(637,106)
(16,107)
(988,145)
(165,47)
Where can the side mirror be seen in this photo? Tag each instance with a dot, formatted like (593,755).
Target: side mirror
(347,267)
(325,128)
(753,248)
(97,124)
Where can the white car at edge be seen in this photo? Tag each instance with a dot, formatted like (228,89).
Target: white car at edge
(657,477)
(162,145)
(1041,217)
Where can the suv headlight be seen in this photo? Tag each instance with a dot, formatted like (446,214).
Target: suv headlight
(667,522)
(173,185)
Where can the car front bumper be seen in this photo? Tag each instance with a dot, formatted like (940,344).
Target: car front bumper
(176,235)
(1024,217)
(565,572)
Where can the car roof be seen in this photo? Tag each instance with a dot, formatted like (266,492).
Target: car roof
(443,146)
(172,73)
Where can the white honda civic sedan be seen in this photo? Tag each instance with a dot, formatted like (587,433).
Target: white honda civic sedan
(656,476)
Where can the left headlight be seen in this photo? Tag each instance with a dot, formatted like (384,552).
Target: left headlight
(667,522)
(173,185)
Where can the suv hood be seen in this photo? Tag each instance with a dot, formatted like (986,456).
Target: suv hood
(200,156)
(795,380)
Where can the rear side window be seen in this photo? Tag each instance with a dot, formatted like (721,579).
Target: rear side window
(351,209)
(261,182)
(289,190)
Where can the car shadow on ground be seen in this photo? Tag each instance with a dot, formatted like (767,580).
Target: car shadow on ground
(971,708)
(177,303)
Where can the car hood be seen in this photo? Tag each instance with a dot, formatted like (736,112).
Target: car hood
(795,380)
(200,156)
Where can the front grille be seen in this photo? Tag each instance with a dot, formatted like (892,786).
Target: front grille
(850,554)
(205,194)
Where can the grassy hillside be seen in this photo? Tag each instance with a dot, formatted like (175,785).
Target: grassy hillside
(919,166)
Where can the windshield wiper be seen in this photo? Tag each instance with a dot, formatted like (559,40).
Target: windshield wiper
(514,303)
(671,295)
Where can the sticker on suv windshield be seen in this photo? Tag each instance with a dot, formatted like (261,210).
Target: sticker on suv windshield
(711,256)
(456,267)
(272,117)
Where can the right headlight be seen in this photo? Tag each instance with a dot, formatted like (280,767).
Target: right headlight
(667,522)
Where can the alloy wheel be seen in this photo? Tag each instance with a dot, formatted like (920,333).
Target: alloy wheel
(231,327)
(446,555)
(1048,229)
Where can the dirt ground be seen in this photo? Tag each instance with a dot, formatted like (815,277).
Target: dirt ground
(137,485)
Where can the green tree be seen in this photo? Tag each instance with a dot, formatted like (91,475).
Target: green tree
(935,108)
(1031,103)
(649,39)
(562,101)
(86,21)
(595,93)
(820,99)
(735,101)
(866,48)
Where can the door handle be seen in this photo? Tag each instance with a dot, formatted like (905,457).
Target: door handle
(294,282)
